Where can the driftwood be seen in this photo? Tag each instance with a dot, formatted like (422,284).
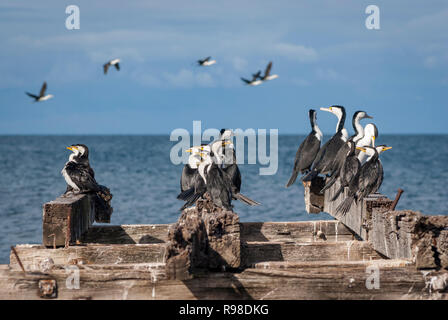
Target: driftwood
(395,234)
(203,237)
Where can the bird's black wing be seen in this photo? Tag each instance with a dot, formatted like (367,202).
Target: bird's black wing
(268,69)
(234,175)
(303,160)
(379,181)
(117,66)
(187,178)
(246,81)
(206,59)
(32,95)
(106,67)
(42,90)
(218,189)
(350,169)
(368,179)
(82,177)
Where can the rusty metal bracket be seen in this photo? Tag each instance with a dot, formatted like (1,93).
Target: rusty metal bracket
(48,289)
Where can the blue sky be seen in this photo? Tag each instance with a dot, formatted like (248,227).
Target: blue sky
(321,50)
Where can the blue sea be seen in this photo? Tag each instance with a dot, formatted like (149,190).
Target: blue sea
(145,183)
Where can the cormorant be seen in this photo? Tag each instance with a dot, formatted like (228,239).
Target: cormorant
(349,169)
(80,177)
(114,62)
(324,159)
(41,96)
(307,151)
(190,170)
(368,179)
(267,73)
(206,62)
(339,159)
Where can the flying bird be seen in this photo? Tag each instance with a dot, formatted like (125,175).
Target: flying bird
(41,96)
(114,62)
(206,62)
(267,73)
(255,81)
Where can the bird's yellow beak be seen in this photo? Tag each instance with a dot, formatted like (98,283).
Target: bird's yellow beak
(387,148)
(189,150)
(226,143)
(71,148)
(361,149)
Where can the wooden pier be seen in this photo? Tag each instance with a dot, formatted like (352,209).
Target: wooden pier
(371,253)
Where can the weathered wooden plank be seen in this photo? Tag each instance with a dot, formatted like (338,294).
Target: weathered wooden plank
(127,234)
(33,257)
(380,263)
(321,282)
(255,252)
(66,219)
(303,231)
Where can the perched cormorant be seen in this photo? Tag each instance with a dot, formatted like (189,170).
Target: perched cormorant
(327,153)
(206,62)
(41,96)
(80,177)
(339,159)
(212,180)
(190,170)
(307,151)
(370,135)
(114,62)
(368,179)
(349,169)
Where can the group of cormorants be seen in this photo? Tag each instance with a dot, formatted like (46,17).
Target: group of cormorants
(212,168)
(354,161)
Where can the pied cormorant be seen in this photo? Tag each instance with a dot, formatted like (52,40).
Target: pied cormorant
(42,96)
(267,73)
(80,177)
(327,153)
(307,151)
(206,62)
(114,62)
(338,161)
(368,179)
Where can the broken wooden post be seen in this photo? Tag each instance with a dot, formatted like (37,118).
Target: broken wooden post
(68,217)
(204,237)
(395,234)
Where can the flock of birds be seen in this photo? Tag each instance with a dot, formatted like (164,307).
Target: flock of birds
(257,78)
(212,168)
(354,161)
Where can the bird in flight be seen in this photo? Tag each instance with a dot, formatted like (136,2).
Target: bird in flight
(42,96)
(206,62)
(114,62)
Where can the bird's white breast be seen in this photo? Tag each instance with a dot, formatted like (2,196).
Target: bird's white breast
(208,63)
(69,180)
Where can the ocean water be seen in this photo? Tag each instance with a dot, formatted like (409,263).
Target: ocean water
(145,183)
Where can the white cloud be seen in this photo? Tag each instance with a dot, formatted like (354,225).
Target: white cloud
(295,52)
